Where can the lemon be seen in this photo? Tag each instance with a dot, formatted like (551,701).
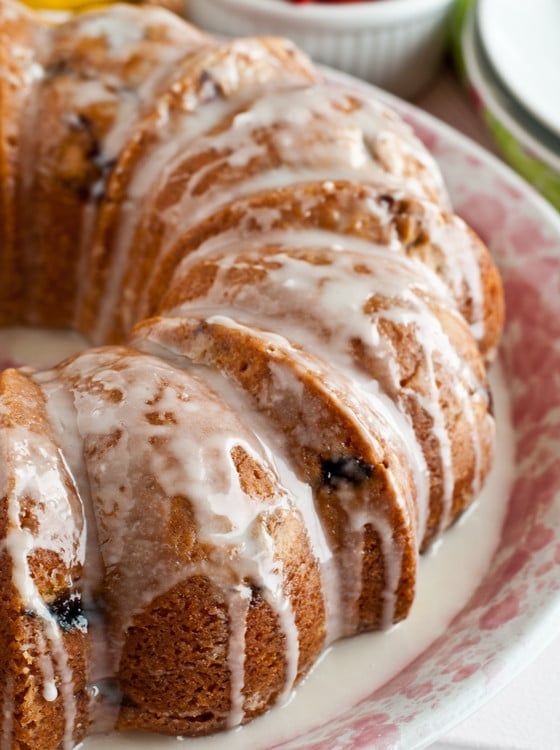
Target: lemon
(66,5)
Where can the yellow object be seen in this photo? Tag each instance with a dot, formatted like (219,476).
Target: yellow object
(52,8)
(68,5)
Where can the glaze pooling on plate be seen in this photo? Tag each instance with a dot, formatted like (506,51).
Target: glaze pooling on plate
(37,347)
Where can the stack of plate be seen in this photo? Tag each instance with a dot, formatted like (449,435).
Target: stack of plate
(510,51)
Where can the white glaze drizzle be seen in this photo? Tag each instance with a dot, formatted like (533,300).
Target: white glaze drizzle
(381,425)
(240,69)
(298,281)
(36,472)
(156,38)
(234,527)
(337,316)
(311,130)
(59,401)
(454,248)
(372,415)
(275,450)
(237,610)
(312,136)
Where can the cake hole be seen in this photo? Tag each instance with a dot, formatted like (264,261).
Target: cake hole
(490,407)
(256,595)
(67,609)
(347,470)
(127,702)
(204,718)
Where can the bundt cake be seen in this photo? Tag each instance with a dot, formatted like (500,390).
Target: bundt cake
(288,399)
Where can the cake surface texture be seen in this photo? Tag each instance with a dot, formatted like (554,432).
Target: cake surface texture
(285,401)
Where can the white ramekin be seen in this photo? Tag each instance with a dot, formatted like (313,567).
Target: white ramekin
(396,44)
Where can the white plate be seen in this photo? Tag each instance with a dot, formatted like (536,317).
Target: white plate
(535,140)
(530,148)
(522,40)
(515,611)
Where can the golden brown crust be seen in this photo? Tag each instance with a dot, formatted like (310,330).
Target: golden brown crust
(176,685)
(374,212)
(19,44)
(319,429)
(86,90)
(198,81)
(168,682)
(221,278)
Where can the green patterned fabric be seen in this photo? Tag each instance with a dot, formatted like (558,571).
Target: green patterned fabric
(538,174)
(461,11)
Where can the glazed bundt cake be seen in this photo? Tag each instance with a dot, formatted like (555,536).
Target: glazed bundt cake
(288,399)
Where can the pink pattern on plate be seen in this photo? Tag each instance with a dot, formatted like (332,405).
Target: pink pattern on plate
(500,613)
